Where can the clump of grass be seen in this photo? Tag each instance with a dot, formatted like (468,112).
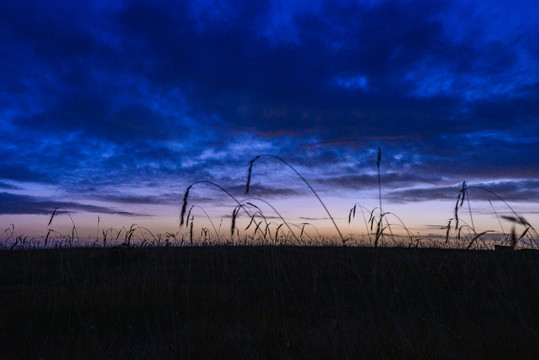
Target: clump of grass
(74,232)
(515,219)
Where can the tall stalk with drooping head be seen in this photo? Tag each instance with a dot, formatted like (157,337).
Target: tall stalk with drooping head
(343,240)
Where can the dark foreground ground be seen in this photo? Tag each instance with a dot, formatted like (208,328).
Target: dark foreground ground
(263,302)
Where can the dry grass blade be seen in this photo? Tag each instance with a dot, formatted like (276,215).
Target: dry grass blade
(15,243)
(52,216)
(253,205)
(511,218)
(524,233)
(477,236)
(251,221)
(258,227)
(516,219)
(118,234)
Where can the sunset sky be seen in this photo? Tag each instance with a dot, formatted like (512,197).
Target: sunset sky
(112,108)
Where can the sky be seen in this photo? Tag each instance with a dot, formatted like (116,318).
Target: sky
(110,109)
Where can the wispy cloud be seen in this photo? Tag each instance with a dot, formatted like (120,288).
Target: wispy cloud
(516,190)
(11,204)
(390,180)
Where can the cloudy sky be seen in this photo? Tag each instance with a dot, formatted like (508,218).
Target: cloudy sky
(112,108)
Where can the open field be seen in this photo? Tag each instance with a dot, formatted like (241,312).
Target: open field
(268,302)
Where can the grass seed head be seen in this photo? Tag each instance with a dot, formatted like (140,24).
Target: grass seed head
(184,205)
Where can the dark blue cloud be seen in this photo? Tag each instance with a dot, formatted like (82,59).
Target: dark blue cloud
(95,116)
(22,173)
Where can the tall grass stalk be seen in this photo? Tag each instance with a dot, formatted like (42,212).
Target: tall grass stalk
(379,230)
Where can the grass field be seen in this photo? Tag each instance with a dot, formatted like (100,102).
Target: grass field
(268,302)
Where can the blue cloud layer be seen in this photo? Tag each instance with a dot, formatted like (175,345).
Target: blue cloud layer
(101,96)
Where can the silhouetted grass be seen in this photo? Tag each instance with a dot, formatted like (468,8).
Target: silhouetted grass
(463,235)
